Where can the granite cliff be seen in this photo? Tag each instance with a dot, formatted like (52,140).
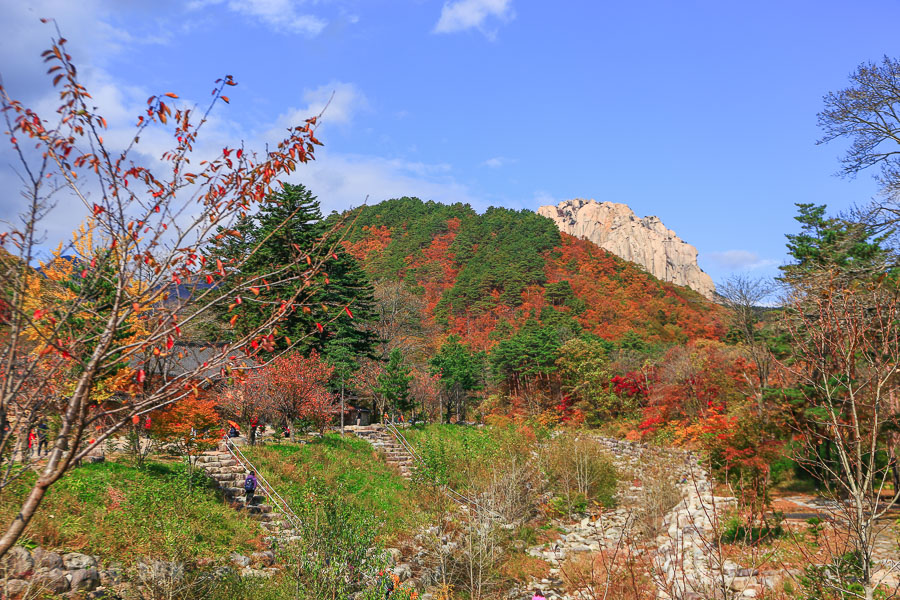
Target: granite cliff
(646,241)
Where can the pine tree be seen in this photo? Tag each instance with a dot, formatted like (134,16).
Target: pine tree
(289,225)
(461,371)
(393,383)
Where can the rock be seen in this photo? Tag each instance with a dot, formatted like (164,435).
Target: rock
(85,580)
(403,571)
(739,583)
(17,563)
(16,587)
(44,559)
(750,593)
(265,559)
(53,581)
(160,571)
(239,560)
(646,241)
(74,561)
(396,555)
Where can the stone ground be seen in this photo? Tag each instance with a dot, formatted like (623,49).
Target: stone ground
(681,561)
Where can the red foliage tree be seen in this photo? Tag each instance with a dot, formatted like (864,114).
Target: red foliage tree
(291,387)
(191,425)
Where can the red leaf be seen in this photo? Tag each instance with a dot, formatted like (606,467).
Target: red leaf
(347,310)
(320,328)
(141,376)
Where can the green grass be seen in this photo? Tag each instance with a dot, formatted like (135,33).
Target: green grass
(347,467)
(116,510)
(461,456)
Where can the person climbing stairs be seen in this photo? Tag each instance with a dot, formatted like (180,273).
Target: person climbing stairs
(230,475)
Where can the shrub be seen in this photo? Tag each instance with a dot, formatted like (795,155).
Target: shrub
(579,472)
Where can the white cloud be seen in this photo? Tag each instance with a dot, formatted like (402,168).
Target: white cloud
(497,161)
(339,100)
(739,260)
(341,181)
(473,14)
(281,15)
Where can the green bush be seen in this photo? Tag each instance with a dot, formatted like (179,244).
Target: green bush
(737,531)
(580,472)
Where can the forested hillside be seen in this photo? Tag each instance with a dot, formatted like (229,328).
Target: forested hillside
(482,277)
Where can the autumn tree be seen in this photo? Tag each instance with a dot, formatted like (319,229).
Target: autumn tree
(846,343)
(146,270)
(584,371)
(190,426)
(744,297)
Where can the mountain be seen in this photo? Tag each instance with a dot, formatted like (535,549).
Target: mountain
(483,276)
(646,241)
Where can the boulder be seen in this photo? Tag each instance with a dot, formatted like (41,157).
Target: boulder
(264,559)
(53,581)
(403,571)
(44,559)
(16,588)
(84,580)
(239,560)
(396,555)
(74,561)
(17,563)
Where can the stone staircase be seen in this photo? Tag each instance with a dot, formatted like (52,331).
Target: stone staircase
(229,474)
(383,441)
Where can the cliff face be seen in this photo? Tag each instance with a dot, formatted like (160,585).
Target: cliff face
(646,241)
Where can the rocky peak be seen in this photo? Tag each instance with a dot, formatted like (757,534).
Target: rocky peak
(647,242)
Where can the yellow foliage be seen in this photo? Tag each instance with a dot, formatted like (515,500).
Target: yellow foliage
(50,300)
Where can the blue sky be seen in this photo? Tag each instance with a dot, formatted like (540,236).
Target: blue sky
(703,113)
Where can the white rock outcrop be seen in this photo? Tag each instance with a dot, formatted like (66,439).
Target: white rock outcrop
(646,241)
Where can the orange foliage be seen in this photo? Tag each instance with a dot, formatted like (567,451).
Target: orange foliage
(377,240)
(621,297)
(192,424)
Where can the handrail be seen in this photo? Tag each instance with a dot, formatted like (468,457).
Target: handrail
(454,495)
(282,503)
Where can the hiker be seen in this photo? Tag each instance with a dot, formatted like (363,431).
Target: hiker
(538,595)
(286,431)
(42,430)
(253,423)
(233,432)
(250,487)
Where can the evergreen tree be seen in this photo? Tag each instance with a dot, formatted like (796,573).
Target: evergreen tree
(831,245)
(289,225)
(461,371)
(393,383)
